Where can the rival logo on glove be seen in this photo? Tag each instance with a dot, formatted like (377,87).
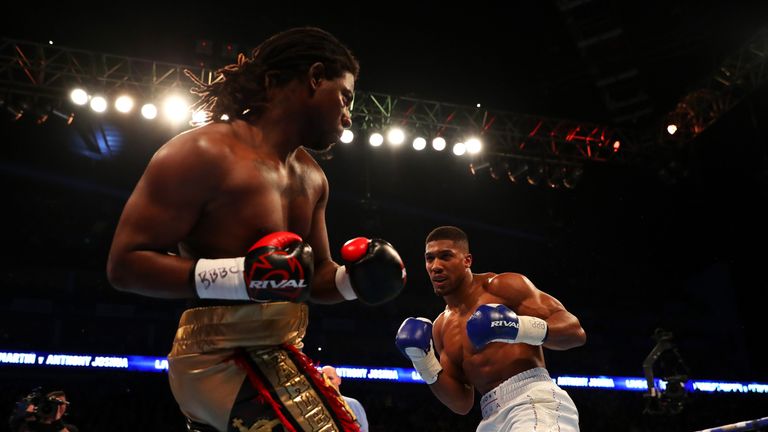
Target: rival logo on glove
(273,284)
(289,279)
(503,323)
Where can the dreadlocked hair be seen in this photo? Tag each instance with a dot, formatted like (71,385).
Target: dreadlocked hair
(241,88)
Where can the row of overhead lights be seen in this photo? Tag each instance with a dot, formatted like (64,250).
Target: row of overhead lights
(175,108)
(534,173)
(396,137)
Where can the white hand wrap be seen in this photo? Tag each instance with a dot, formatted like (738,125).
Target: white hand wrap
(532,330)
(343,284)
(221,279)
(426,364)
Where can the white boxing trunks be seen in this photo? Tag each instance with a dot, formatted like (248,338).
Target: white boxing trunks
(528,402)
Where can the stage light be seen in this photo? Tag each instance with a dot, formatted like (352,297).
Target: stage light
(459,148)
(204,46)
(438,144)
(98,104)
(40,114)
(395,136)
(474,146)
(419,143)
(42,118)
(79,96)
(376,139)
(499,169)
(230,50)
(671,128)
(124,103)
(535,175)
(16,113)
(475,168)
(175,108)
(616,146)
(555,177)
(516,171)
(347,136)
(68,118)
(572,177)
(149,111)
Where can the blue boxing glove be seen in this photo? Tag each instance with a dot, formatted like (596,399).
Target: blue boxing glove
(373,272)
(414,340)
(498,323)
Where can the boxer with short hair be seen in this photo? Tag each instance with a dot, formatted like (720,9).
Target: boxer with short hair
(490,339)
(232,215)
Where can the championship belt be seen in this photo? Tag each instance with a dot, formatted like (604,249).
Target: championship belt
(298,393)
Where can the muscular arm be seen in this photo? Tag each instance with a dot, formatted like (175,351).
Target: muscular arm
(564,330)
(162,210)
(449,387)
(323,284)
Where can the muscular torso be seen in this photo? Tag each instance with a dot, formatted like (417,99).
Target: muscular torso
(487,368)
(257,195)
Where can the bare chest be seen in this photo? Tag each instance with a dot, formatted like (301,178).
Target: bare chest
(255,199)
(484,367)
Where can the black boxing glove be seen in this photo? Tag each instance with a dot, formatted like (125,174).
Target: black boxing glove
(373,272)
(278,267)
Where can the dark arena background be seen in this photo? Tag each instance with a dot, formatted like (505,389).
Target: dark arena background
(654,240)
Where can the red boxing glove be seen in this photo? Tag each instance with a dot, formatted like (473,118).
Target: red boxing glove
(279,267)
(373,272)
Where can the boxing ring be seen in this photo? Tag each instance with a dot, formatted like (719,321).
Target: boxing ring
(748,425)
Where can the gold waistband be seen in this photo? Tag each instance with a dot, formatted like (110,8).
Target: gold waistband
(294,390)
(252,325)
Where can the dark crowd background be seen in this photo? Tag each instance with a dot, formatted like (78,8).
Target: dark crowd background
(676,242)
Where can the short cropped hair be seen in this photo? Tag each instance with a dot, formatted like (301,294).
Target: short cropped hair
(452,233)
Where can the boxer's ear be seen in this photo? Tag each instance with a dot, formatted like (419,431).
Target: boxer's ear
(316,74)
